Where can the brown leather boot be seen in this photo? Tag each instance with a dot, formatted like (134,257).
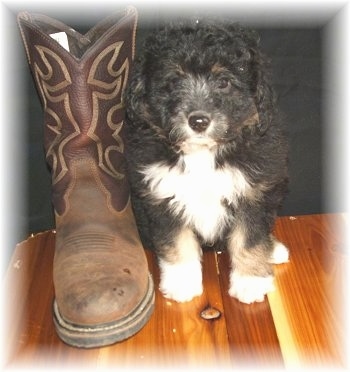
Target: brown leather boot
(104,292)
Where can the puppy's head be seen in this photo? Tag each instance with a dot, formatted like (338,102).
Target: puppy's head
(200,84)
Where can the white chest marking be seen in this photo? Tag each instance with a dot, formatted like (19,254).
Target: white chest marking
(197,190)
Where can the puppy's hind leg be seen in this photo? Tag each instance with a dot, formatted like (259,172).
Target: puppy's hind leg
(181,269)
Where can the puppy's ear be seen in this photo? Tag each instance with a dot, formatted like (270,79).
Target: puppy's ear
(264,97)
(251,55)
(134,96)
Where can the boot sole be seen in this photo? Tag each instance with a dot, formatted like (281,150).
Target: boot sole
(108,333)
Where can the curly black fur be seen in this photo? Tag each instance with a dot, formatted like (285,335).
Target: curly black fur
(190,76)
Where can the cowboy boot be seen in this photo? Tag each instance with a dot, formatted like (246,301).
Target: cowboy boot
(103,290)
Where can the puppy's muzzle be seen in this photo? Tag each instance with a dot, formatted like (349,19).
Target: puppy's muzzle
(199,121)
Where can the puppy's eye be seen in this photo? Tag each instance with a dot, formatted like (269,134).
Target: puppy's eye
(170,84)
(224,84)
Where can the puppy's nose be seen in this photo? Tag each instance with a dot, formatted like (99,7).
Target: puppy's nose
(199,121)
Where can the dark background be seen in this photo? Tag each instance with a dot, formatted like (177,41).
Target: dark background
(297,54)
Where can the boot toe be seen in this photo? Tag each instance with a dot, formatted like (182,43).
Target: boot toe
(102,318)
(96,285)
(100,301)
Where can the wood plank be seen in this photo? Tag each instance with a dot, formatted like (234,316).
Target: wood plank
(24,316)
(308,305)
(250,328)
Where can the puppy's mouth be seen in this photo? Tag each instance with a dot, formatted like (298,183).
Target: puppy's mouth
(197,143)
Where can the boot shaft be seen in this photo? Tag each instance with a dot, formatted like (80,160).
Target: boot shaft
(80,80)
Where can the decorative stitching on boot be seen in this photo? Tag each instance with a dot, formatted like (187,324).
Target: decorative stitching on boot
(110,92)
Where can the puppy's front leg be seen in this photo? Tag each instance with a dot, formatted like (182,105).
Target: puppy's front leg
(251,274)
(180,268)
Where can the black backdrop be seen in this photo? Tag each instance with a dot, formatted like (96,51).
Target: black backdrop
(296,53)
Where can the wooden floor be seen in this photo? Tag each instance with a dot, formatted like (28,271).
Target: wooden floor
(301,324)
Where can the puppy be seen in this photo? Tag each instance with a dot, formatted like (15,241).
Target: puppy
(206,154)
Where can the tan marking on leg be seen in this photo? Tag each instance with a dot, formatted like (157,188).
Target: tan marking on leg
(251,275)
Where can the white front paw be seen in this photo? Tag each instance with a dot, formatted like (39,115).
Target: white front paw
(280,253)
(250,289)
(181,281)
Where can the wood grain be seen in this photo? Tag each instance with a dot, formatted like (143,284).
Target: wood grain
(310,288)
(301,323)
(250,328)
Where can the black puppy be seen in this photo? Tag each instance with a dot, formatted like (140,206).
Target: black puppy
(207,158)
